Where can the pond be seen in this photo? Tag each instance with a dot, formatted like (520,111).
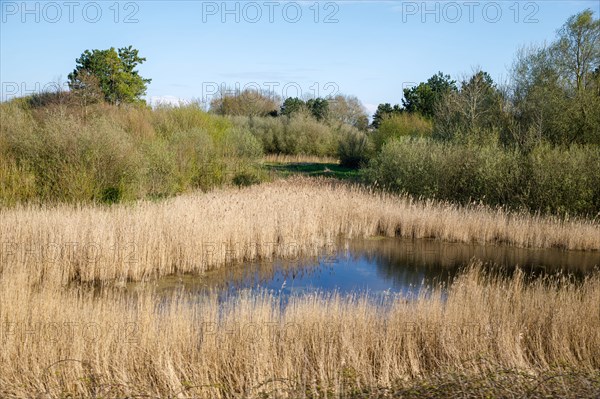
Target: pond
(381,265)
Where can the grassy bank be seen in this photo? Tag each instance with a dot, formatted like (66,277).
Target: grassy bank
(489,336)
(283,219)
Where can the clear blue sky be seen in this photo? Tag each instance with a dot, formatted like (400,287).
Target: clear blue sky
(370,49)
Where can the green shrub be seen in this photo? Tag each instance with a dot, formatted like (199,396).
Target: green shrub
(73,161)
(296,134)
(306,135)
(406,165)
(268,131)
(17,182)
(548,179)
(354,148)
(401,125)
(565,180)
(109,154)
(245,179)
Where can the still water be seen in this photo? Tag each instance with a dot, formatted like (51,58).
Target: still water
(382,265)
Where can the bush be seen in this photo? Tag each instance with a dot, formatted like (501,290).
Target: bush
(245,179)
(296,134)
(354,149)
(17,182)
(548,179)
(401,125)
(269,131)
(74,161)
(565,180)
(306,135)
(110,154)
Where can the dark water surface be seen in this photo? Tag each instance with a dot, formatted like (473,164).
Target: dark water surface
(382,265)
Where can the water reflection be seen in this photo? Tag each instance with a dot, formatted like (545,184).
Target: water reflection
(382,265)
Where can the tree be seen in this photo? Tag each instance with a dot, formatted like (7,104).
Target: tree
(424,97)
(481,99)
(384,111)
(576,55)
(577,50)
(555,91)
(539,100)
(88,92)
(348,110)
(471,113)
(114,73)
(419,99)
(292,105)
(318,107)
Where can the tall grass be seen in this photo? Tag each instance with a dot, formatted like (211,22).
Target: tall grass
(62,338)
(193,233)
(486,337)
(59,153)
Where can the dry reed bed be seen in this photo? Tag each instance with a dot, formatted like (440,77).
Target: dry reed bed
(282,219)
(60,342)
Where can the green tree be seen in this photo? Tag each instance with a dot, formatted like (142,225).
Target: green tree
(576,54)
(577,50)
(318,107)
(113,71)
(473,113)
(424,97)
(383,111)
(292,105)
(539,102)
(555,91)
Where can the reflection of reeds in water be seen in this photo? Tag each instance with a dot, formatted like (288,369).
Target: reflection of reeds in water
(435,256)
(59,342)
(405,264)
(285,219)
(239,276)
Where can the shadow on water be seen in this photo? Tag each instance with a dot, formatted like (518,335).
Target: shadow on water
(381,265)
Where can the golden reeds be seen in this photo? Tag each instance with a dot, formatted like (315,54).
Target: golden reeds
(62,342)
(282,219)
(61,339)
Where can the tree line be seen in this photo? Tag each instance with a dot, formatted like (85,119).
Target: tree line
(553,94)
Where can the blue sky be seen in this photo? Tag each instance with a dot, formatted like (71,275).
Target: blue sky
(371,49)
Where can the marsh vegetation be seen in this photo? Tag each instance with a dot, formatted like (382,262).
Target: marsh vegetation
(64,269)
